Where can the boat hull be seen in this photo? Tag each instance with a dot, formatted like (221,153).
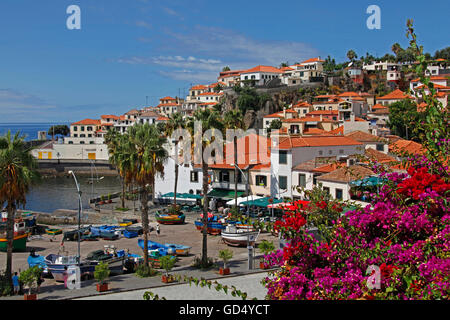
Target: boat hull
(239,239)
(170,219)
(19,243)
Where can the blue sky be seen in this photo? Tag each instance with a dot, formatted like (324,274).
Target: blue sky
(127,50)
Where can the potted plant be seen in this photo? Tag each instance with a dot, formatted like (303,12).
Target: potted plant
(167,263)
(265,247)
(102,200)
(101,273)
(30,279)
(109,198)
(225,255)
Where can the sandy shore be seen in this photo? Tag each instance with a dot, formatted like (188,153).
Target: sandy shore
(185,234)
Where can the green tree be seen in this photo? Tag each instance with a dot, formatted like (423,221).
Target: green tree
(209,120)
(442,54)
(118,157)
(234,120)
(226,68)
(351,55)
(146,156)
(61,129)
(18,170)
(175,122)
(403,117)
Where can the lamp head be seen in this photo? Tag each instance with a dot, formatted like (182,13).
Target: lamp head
(70,172)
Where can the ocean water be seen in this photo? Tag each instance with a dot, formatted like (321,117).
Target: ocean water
(29,130)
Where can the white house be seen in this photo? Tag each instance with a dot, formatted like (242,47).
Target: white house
(259,75)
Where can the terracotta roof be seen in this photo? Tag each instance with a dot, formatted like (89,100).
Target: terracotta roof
(286,143)
(326,96)
(314,131)
(337,131)
(162,119)
(109,116)
(275,115)
(363,136)
(132,112)
(378,156)
(378,106)
(213,85)
(211,94)
(303,119)
(286,69)
(347,174)
(291,111)
(435,85)
(313,60)
(329,167)
(334,101)
(301,104)
(432,78)
(324,112)
(348,94)
(381,111)
(406,145)
(261,167)
(311,164)
(199,87)
(168,104)
(395,95)
(87,122)
(263,69)
(167,98)
(150,114)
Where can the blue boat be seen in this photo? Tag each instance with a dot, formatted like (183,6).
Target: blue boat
(177,249)
(215,227)
(155,251)
(37,260)
(107,232)
(130,234)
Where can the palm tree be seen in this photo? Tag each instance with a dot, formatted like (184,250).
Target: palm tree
(17,173)
(116,152)
(209,119)
(351,55)
(234,119)
(396,48)
(146,156)
(175,122)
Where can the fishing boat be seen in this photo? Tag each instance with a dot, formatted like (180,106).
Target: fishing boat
(37,260)
(53,232)
(165,218)
(58,265)
(137,229)
(114,261)
(19,238)
(214,227)
(177,249)
(107,232)
(72,235)
(29,219)
(133,221)
(130,234)
(234,236)
(125,224)
(155,251)
(19,242)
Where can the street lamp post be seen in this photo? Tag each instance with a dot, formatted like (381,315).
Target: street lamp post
(249,247)
(79,213)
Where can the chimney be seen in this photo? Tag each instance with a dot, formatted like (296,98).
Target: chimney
(352,117)
(284,112)
(321,118)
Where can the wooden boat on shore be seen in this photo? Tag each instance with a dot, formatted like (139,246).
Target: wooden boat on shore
(114,261)
(165,218)
(19,239)
(53,232)
(234,236)
(72,235)
(213,228)
(19,242)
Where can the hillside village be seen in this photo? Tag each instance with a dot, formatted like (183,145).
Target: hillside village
(314,126)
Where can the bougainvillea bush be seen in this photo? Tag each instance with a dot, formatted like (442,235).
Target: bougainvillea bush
(396,248)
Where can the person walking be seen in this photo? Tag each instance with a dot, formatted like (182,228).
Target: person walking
(157,229)
(16,284)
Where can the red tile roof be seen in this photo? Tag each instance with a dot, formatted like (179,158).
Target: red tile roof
(109,116)
(406,146)
(87,122)
(347,174)
(263,69)
(275,115)
(395,95)
(313,60)
(286,143)
(363,136)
